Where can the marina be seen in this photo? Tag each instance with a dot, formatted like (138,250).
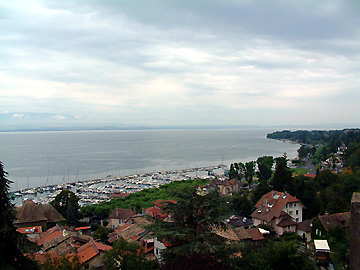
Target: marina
(99,190)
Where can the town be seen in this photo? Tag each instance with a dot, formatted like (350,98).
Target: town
(259,215)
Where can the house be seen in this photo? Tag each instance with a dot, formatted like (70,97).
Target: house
(31,232)
(119,216)
(304,228)
(239,221)
(279,220)
(283,201)
(157,210)
(91,254)
(31,214)
(227,233)
(139,219)
(84,230)
(228,187)
(225,187)
(62,240)
(341,220)
(130,232)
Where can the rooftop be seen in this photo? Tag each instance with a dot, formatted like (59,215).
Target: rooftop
(276,199)
(340,219)
(120,213)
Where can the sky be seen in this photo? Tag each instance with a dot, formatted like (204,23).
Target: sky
(180,62)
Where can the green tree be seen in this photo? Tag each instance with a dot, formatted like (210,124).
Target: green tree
(282,180)
(276,256)
(191,233)
(241,204)
(127,256)
(101,233)
(249,172)
(236,170)
(11,241)
(62,263)
(327,178)
(265,164)
(66,203)
(306,191)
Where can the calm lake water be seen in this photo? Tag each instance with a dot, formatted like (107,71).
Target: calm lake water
(45,158)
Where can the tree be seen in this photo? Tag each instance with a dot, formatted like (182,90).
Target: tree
(249,171)
(62,263)
(236,170)
(101,233)
(265,164)
(282,180)
(279,255)
(11,241)
(241,204)
(327,178)
(190,234)
(66,203)
(127,256)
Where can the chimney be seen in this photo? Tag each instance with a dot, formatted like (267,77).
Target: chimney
(354,232)
(266,201)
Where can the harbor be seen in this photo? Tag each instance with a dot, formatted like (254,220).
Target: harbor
(99,190)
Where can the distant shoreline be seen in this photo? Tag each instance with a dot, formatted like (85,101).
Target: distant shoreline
(118,127)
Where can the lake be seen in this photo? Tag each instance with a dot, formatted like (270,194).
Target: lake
(45,158)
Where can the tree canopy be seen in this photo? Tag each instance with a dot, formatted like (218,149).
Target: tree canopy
(282,180)
(127,256)
(191,232)
(265,164)
(66,203)
(12,243)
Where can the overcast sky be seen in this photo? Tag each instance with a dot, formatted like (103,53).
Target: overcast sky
(181,62)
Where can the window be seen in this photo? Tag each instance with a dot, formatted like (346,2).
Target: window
(290,213)
(297,212)
(290,205)
(297,220)
(294,204)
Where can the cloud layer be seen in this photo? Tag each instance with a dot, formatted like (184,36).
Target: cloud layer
(182,62)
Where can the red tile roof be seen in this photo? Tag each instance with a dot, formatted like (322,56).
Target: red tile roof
(340,219)
(276,199)
(123,214)
(305,225)
(48,237)
(102,247)
(33,229)
(42,257)
(152,211)
(266,213)
(82,228)
(160,203)
(255,234)
(286,221)
(122,228)
(87,251)
(90,250)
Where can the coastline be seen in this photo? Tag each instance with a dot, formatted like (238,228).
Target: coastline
(97,190)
